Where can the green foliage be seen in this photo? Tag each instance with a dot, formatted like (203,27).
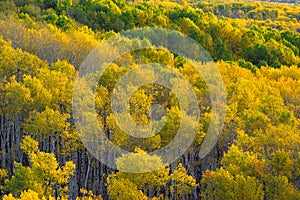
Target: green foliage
(255,44)
(63,22)
(182,184)
(44,42)
(247,65)
(46,123)
(224,185)
(17,97)
(280,188)
(41,177)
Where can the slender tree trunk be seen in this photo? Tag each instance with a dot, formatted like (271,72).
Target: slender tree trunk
(87,171)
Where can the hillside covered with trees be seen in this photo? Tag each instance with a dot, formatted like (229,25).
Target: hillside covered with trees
(254,45)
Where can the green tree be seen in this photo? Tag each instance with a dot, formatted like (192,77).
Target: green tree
(279,188)
(221,184)
(43,176)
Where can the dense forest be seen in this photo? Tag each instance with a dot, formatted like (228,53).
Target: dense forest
(254,45)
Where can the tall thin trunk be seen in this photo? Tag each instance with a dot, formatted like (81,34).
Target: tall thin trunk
(87,171)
